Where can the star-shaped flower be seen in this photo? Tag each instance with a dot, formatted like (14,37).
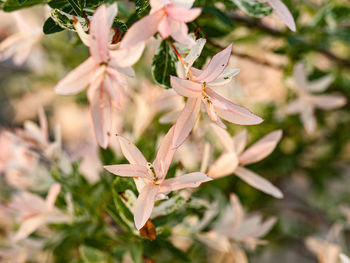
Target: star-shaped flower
(234,226)
(168,17)
(103,72)
(306,102)
(150,177)
(34,211)
(234,158)
(199,86)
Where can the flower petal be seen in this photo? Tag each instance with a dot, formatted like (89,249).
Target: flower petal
(179,32)
(99,35)
(131,152)
(283,12)
(100,107)
(299,76)
(186,121)
(191,180)
(320,84)
(126,57)
(181,13)
(77,79)
(258,182)
(129,170)
(28,227)
(240,141)
(142,30)
(144,204)
(216,66)
(186,88)
(164,28)
(224,137)
(225,77)
(225,165)
(261,148)
(232,112)
(165,155)
(51,197)
(328,102)
(84,37)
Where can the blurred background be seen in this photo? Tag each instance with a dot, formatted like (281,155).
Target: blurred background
(311,165)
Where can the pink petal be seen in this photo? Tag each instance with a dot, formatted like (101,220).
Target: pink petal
(300,77)
(182,14)
(112,90)
(126,57)
(131,152)
(224,137)
(265,227)
(99,35)
(225,77)
(191,180)
(164,28)
(28,227)
(225,165)
(240,141)
(232,112)
(295,106)
(129,170)
(179,32)
(320,84)
(328,102)
(77,79)
(216,66)
(43,125)
(237,211)
(100,107)
(186,121)
(165,155)
(283,12)
(51,197)
(144,204)
(308,119)
(186,88)
(258,182)
(84,37)
(142,30)
(261,149)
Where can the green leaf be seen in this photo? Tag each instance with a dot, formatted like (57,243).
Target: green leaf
(142,8)
(51,27)
(119,188)
(21,1)
(136,251)
(62,19)
(164,64)
(219,15)
(92,255)
(13,5)
(60,4)
(253,8)
(75,6)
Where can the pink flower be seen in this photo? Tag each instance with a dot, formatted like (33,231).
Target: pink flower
(33,211)
(168,17)
(199,87)
(150,177)
(24,42)
(283,12)
(103,72)
(306,103)
(234,226)
(234,158)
